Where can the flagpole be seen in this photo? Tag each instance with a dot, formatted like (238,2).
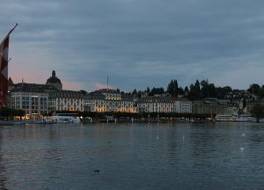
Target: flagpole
(12,29)
(8,34)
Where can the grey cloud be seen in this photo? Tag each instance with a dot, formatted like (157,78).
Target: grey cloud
(142,42)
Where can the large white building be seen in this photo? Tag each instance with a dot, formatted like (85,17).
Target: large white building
(45,98)
(31,103)
(108,100)
(32,98)
(67,100)
(155,105)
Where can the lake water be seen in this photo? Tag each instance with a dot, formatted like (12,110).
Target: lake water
(133,157)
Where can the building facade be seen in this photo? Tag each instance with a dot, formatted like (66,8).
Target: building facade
(155,105)
(209,106)
(67,100)
(182,106)
(108,100)
(32,98)
(31,103)
(45,98)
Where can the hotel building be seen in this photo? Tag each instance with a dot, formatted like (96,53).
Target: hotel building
(108,100)
(45,98)
(67,100)
(32,98)
(155,105)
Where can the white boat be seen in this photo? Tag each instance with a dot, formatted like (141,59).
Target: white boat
(64,119)
(235,118)
(225,117)
(245,118)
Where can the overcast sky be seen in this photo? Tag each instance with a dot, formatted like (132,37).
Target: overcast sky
(139,43)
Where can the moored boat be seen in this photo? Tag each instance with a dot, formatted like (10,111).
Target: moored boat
(63,119)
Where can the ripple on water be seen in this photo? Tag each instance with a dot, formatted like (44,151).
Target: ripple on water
(186,156)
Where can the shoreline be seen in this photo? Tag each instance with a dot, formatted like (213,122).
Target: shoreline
(22,123)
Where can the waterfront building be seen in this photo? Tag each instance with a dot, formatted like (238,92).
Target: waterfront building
(67,100)
(182,105)
(45,98)
(210,106)
(109,100)
(155,105)
(32,98)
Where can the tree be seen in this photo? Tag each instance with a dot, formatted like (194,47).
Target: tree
(9,113)
(208,90)
(148,90)
(222,92)
(192,92)
(254,89)
(195,91)
(186,91)
(261,92)
(258,111)
(211,91)
(204,89)
(173,88)
(139,94)
(5,113)
(197,88)
(156,91)
(134,92)
(83,92)
(180,91)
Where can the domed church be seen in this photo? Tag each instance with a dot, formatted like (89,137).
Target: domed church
(54,81)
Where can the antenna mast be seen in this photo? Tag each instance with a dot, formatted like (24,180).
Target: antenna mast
(107,81)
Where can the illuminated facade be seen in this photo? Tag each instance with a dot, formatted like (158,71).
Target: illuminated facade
(108,100)
(113,101)
(31,103)
(67,100)
(32,98)
(155,105)
(45,98)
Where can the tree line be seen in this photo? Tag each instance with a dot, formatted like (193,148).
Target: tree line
(194,91)
(197,90)
(257,90)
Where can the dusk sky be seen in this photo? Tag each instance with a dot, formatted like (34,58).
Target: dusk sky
(139,43)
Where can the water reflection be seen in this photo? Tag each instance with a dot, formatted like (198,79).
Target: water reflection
(134,156)
(3,177)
